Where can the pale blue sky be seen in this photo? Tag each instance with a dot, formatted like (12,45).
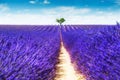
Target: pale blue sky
(75,11)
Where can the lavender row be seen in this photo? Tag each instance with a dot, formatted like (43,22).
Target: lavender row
(95,50)
(28,53)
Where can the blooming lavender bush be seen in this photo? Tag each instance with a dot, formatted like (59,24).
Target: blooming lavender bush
(95,49)
(31,52)
(28,52)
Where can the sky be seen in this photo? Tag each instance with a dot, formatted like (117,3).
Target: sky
(40,12)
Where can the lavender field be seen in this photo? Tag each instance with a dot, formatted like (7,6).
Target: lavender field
(31,52)
(95,49)
(28,52)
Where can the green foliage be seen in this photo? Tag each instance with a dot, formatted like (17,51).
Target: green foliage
(60,21)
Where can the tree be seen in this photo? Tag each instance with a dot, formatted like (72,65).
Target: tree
(60,21)
(117,23)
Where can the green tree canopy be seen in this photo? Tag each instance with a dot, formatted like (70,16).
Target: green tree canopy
(60,21)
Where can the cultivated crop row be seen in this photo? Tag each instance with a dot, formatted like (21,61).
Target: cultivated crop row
(28,52)
(95,50)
